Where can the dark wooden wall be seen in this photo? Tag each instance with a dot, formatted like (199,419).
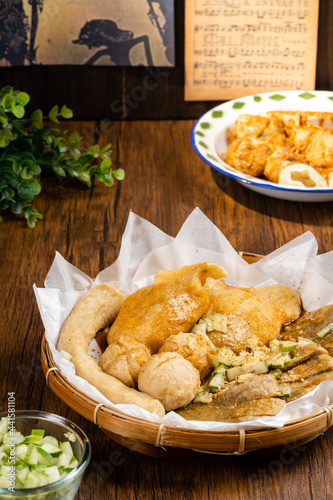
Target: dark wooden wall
(117,93)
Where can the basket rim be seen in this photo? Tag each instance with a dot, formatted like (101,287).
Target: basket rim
(205,441)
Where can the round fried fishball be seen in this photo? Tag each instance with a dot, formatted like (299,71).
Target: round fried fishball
(170,378)
(123,359)
(193,348)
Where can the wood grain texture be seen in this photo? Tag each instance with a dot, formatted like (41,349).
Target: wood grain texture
(165,181)
(132,93)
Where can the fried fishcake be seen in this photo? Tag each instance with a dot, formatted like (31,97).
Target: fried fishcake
(310,324)
(251,311)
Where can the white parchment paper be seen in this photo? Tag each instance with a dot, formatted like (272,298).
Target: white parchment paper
(145,250)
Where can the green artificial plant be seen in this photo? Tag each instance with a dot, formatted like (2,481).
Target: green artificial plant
(29,147)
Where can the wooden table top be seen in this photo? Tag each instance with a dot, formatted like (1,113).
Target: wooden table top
(165,181)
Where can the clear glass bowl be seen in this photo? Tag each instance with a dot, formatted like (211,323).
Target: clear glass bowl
(53,425)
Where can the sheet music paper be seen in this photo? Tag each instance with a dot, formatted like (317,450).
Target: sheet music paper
(241,47)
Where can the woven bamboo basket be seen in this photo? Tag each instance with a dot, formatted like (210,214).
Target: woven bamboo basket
(171,442)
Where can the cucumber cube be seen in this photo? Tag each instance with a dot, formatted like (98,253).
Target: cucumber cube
(66,447)
(64,460)
(52,473)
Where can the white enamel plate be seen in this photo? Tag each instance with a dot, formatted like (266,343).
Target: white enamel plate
(209,137)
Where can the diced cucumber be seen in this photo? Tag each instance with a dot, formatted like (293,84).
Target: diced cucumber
(288,348)
(325,330)
(19,438)
(44,457)
(233,372)
(66,447)
(53,473)
(261,367)
(217,322)
(217,381)
(33,439)
(39,432)
(42,477)
(192,342)
(226,356)
(302,339)
(32,455)
(220,368)
(277,373)
(31,481)
(21,451)
(51,440)
(51,449)
(73,463)
(3,481)
(203,397)
(285,389)
(200,327)
(36,458)
(64,460)
(3,427)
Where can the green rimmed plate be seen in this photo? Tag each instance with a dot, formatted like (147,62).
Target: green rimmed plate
(209,137)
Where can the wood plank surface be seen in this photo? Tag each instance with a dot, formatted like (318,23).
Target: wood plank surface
(165,181)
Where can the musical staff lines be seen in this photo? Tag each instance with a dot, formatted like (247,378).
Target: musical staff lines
(250,44)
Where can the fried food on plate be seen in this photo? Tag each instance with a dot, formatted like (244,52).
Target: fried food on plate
(293,140)
(96,310)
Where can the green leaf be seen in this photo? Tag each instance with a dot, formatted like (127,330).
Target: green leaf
(23,145)
(107,179)
(4,204)
(8,193)
(85,159)
(74,137)
(5,137)
(47,158)
(7,102)
(59,170)
(22,98)
(42,133)
(18,110)
(53,114)
(32,216)
(119,174)
(6,90)
(30,171)
(36,118)
(3,117)
(66,112)
(28,189)
(16,207)
(19,127)
(105,165)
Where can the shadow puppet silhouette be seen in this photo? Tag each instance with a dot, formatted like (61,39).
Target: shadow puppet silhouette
(118,43)
(13,32)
